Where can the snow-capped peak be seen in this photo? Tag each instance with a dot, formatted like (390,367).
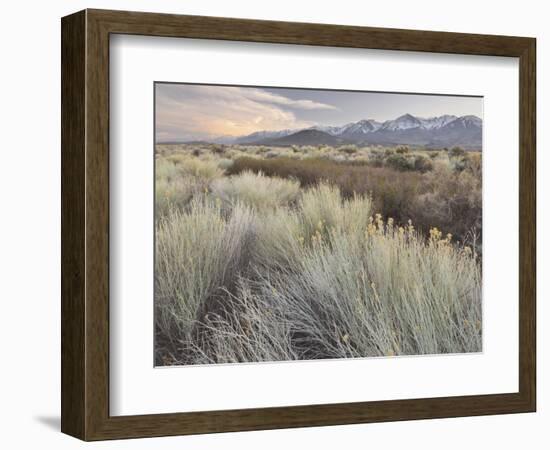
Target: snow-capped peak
(362,127)
(433,123)
(332,130)
(467,121)
(404,122)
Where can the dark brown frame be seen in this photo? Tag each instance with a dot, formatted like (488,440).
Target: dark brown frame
(85,224)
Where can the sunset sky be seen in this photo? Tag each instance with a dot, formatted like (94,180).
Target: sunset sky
(192,112)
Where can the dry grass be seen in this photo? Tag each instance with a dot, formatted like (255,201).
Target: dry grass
(269,259)
(198,253)
(256,190)
(447,199)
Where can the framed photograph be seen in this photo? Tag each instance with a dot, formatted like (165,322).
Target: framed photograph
(273,225)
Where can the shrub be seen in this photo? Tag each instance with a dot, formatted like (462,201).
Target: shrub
(355,288)
(452,202)
(400,162)
(376,161)
(422,164)
(402,149)
(323,209)
(348,149)
(392,191)
(173,188)
(225,163)
(250,330)
(456,152)
(166,170)
(440,197)
(474,164)
(218,149)
(458,164)
(255,190)
(174,194)
(205,169)
(348,299)
(197,254)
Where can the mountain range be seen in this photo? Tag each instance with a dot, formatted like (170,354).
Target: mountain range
(441,131)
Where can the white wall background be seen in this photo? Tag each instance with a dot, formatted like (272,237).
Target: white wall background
(30,222)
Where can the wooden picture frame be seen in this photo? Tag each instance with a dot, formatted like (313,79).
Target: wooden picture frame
(85,224)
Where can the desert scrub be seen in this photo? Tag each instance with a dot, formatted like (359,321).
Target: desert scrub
(282,234)
(255,190)
(422,164)
(179,178)
(322,209)
(400,162)
(348,149)
(474,165)
(285,259)
(456,152)
(198,254)
(225,163)
(394,294)
(166,170)
(173,188)
(252,330)
(351,177)
(439,197)
(452,201)
(174,194)
(389,293)
(206,169)
(320,279)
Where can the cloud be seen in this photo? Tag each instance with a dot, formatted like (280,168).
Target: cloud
(199,112)
(269,97)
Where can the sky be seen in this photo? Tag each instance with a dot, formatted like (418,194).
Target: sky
(187,112)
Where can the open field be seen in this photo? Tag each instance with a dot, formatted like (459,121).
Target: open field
(314,252)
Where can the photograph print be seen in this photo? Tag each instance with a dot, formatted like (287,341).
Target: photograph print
(312,224)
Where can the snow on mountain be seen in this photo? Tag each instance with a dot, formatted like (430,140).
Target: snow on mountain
(406,129)
(434,123)
(466,122)
(404,122)
(361,127)
(332,130)
(408,121)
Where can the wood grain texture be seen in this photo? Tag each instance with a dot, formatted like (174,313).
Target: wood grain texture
(85,224)
(527,224)
(73,227)
(201,27)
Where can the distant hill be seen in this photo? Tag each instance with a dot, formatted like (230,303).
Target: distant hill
(303,137)
(259,136)
(196,142)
